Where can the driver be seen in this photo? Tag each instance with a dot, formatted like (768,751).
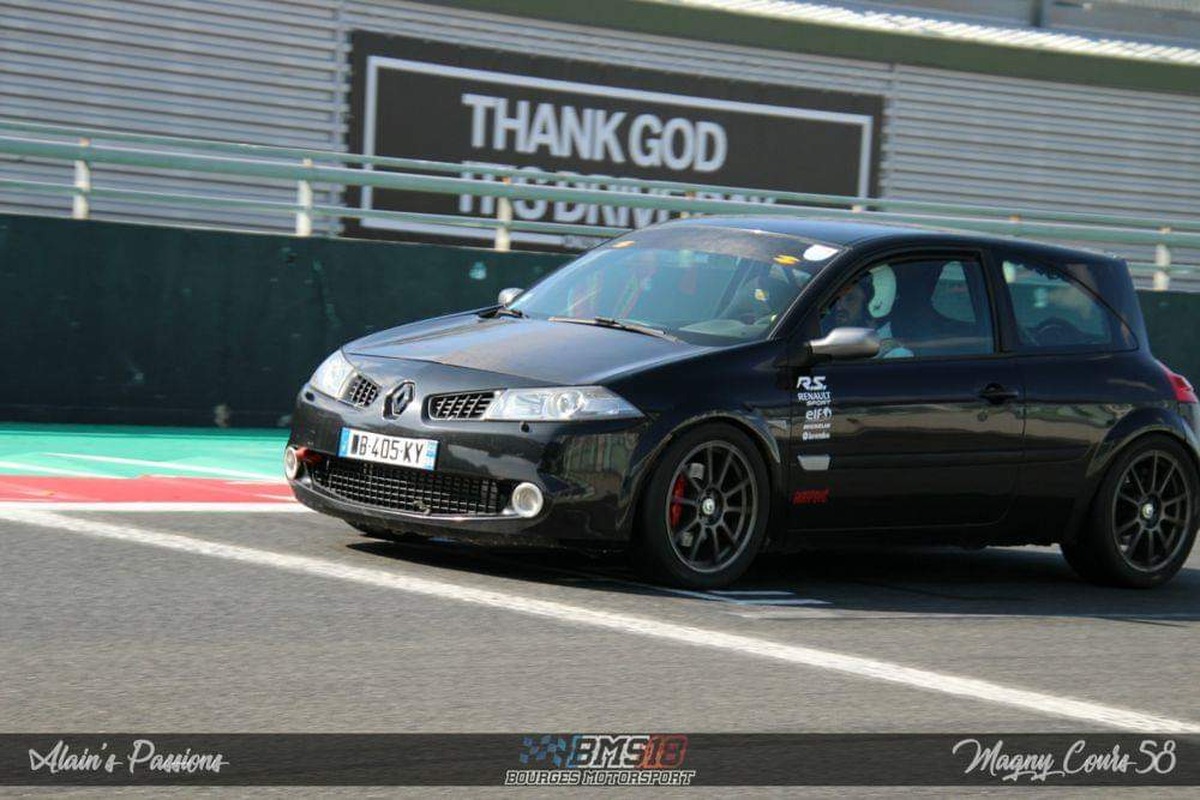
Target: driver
(850,309)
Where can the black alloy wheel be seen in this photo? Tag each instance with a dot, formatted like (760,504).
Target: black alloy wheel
(704,512)
(1143,520)
(1151,511)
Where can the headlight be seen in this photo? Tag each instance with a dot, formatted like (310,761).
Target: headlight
(333,375)
(559,403)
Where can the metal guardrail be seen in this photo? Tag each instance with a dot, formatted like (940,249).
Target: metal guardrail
(307,167)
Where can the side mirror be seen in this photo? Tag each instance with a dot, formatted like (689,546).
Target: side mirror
(846,343)
(506,296)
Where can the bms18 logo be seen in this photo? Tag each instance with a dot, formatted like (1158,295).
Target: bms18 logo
(602,759)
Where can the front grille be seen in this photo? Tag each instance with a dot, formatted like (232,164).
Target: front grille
(404,489)
(467,405)
(361,392)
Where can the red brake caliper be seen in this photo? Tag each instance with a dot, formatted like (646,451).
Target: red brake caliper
(677,507)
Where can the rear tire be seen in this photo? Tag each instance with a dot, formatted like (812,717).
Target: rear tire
(704,512)
(1142,523)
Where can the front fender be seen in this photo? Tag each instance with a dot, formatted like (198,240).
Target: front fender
(667,429)
(741,386)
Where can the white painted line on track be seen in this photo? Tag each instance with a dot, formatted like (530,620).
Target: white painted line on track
(280,507)
(728,597)
(953,685)
(74,473)
(754,592)
(176,466)
(792,601)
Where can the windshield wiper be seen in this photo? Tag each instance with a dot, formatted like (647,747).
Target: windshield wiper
(503,311)
(618,324)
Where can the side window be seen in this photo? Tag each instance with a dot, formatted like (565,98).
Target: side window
(951,296)
(1053,312)
(919,308)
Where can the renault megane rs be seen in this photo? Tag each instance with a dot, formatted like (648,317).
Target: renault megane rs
(709,389)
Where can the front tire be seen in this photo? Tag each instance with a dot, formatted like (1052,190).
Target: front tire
(1143,520)
(704,512)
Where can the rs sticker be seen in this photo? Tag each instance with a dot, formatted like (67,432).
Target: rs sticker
(811,383)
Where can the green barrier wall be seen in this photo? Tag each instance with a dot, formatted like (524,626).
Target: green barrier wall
(107,322)
(113,323)
(1173,322)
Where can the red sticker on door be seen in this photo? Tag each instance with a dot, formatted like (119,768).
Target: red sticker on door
(808,497)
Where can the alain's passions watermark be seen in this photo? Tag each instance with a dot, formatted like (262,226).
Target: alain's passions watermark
(600,759)
(142,756)
(1148,756)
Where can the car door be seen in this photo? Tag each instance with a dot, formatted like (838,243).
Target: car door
(929,432)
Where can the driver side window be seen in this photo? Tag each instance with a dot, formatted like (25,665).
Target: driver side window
(919,307)
(1053,312)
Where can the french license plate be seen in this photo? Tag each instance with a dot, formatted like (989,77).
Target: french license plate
(367,446)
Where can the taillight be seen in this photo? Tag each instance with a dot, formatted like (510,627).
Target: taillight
(1184,393)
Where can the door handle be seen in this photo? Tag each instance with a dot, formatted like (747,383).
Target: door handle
(997,393)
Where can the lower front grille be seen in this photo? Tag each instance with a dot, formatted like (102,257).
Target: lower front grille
(404,489)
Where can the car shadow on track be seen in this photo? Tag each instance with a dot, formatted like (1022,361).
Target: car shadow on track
(927,581)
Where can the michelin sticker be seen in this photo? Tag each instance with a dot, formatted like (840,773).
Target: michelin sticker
(818,413)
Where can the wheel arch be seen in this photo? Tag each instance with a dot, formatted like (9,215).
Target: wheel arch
(1126,434)
(757,430)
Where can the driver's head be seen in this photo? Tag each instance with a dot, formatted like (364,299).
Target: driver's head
(849,307)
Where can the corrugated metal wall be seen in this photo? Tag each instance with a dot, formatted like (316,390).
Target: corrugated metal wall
(266,71)
(1043,145)
(274,71)
(1169,21)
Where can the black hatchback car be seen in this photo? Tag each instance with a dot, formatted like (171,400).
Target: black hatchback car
(709,389)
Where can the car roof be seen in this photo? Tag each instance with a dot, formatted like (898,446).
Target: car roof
(845,233)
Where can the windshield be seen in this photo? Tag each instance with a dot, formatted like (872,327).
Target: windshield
(700,283)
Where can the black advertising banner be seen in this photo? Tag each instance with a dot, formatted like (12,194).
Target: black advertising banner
(442,102)
(599,759)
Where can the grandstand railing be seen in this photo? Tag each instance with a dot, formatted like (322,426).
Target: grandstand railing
(306,167)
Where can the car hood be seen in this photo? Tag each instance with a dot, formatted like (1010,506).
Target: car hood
(561,353)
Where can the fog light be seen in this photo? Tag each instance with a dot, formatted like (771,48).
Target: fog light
(291,463)
(527,500)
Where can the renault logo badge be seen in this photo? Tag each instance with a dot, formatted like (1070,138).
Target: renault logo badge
(400,399)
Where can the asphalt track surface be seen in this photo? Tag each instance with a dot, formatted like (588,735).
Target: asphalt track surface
(282,621)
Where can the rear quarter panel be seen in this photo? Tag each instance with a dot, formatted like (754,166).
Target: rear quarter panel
(1081,411)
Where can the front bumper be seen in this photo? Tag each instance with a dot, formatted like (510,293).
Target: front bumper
(586,471)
